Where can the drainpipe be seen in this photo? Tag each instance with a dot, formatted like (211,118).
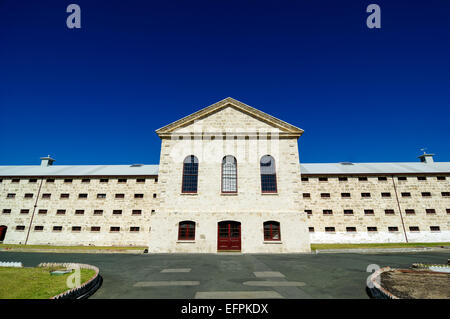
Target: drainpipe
(34,209)
(399,209)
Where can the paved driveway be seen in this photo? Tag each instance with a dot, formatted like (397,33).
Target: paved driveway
(184,276)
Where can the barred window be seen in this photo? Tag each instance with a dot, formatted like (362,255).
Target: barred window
(272,230)
(268,174)
(229,174)
(190,174)
(186,230)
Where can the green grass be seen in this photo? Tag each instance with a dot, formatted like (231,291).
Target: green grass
(8,246)
(376,245)
(34,283)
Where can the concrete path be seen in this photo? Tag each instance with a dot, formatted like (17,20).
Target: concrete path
(183,276)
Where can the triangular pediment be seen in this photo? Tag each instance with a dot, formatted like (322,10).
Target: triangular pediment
(229,114)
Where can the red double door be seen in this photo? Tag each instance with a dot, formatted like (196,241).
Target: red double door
(229,236)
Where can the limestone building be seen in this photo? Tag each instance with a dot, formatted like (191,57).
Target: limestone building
(229,179)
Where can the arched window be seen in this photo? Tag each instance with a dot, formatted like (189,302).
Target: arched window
(272,230)
(268,174)
(186,230)
(229,174)
(190,174)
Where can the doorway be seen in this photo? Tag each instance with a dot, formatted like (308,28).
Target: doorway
(229,236)
(3,229)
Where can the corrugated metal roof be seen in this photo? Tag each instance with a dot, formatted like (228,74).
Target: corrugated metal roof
(78,170)
(306,168)
(374,168)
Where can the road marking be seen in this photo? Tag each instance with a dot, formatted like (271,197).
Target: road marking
(166,283)
(275,283)
(238,295)
(268,274)
(177,270)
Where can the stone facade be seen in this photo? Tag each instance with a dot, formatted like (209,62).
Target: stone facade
(148,208)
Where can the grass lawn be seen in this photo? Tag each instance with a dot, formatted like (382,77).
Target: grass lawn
(7,246)
(34,283)
(380,245)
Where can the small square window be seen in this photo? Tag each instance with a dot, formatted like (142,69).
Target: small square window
(42,211)
(86,180)
(101,196)
(15,180)
(365,195)
(440,178)
(389,212)
(24,211)
(306,195)
(114,229)
(308,211)
(386,194)
(46,196)
(351,229)
(57,228)
(406,194)
(28,195)
(79,212)
(76,228)
(345,195)
(20,227)
(83,196)
(65,195)
(11,195)
(38,228)
(140,180)
(362,179)
(117,212)
(138,195)
(327,212)
(369,212)
(104,180)
(426,194)
(120,195)
(421,178)
(50,180)
(401,178)
(95,228)
(136,212)
(325,195)
(134,229)
(435,228)
(348,211)
(305,179)
(372,229)
(414,228)
(330,229)
(32,180)
(156,180)
(382,178)
(430,211)
(323,179)
(122,180)
(445,194)
(6,211)
(447,210)
(98,212)
(154,195)
(393,229)
(410,211)
(61,212)
(311,229)
(343,179)
(68,180)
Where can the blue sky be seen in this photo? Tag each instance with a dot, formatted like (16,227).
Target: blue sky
(96,95)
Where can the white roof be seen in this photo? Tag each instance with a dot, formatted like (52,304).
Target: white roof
(306,168)
(79,170)
(374,168)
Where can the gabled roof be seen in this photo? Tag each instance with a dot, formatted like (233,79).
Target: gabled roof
(285,128)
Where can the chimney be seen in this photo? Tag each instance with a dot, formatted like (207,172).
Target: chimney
(426,158)
(47,161)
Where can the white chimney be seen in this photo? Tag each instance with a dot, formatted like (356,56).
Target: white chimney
(47,161)
(426,158)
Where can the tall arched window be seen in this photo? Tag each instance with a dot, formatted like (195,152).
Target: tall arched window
(186,230)
(229,174)
(272,230)
(190,174)
(268,174)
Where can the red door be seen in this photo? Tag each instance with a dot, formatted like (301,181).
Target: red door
(3,232)
(229,236)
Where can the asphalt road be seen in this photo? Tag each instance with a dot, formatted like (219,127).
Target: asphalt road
(183,276)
